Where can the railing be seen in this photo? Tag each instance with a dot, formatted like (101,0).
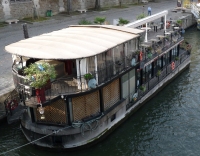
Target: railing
(164,45)
(72,85)
(184,55)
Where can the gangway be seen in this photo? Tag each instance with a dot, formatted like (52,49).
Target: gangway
(195,9)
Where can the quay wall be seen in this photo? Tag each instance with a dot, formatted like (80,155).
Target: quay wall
(26,8)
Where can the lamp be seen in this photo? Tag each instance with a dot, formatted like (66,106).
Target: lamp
(41,109)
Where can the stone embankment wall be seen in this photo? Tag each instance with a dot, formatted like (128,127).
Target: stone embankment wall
(21,9)
(1,12)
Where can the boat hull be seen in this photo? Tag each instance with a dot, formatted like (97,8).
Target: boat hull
(71,137)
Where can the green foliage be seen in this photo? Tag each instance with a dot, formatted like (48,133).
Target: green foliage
(88,76)
(179,22)
(149,55)
(84,22)
(158,73)
(123,21)
(176,58)
(99,20)
(143,88)
(38,78)
(141,16)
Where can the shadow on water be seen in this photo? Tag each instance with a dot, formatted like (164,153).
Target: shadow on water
(168,124)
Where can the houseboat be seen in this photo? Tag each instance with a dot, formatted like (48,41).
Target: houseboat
(101,74)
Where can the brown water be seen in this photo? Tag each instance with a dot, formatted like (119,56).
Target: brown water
(167,125)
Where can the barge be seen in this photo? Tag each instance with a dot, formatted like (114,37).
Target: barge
(101,74)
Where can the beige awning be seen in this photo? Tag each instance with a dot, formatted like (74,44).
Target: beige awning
(73,42)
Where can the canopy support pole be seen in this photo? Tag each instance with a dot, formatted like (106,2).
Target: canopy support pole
(165,24)
(146,34)
(96,72)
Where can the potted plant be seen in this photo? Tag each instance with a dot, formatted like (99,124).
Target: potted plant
(39,75)
(158,73)
(176,58)
(159,50)
(143,88)
(88,76)
(149,55)
(179,22)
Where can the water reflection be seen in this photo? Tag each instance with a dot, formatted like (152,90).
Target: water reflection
(167,125)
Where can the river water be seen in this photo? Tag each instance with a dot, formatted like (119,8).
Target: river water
(167,125)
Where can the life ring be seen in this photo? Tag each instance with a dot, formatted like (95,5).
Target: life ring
(12,104)
(173,65)
(140,56)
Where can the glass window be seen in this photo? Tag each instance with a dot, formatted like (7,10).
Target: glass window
(159,63)
(164,60)
(125,86)
(149,71)
(155,67)
(128,84)
(132,82)
(144,75)
(174,52)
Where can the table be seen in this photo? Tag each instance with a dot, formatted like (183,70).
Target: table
(145,45)
(154,40)
(160,36)
(167,33)
(176,28)
(145,28)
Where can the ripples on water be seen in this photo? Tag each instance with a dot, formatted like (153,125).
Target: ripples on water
(167,125)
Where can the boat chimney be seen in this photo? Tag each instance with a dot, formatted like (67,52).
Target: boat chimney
(25,30)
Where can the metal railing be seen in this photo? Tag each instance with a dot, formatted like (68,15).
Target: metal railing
(149,85)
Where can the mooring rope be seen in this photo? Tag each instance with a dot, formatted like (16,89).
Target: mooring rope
(87,125)
(54,132)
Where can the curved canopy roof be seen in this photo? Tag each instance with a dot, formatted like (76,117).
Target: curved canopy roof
(73,42)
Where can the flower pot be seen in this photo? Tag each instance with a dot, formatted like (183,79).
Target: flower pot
(40,93)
